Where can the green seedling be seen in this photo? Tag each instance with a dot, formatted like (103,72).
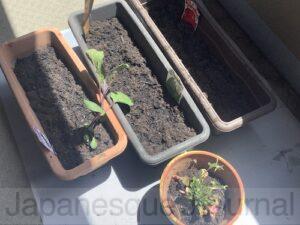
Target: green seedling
(93,143)
(115,71)
(89,137)
(97,58)
(217,186)
(94,107)
(203,191)
(120,97)
(215,166)
(200,193)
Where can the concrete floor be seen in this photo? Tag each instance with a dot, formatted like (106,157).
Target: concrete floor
(18,17)
(263,152)
(13,180)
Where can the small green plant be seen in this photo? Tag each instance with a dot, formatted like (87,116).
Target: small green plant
(97,58)
(215,166)
(202,190)
(89,137)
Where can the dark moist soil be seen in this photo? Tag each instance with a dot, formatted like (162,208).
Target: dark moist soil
(187,212)
(57,99)
(155,117)
(227,93)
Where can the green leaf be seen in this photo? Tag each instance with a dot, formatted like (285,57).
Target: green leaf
(117,69)
(185,180)
(215,166)
(203,174)
(120,97)
(86,138)
(97,58)
(93,143)
(93,107)
(217,186)
(121,67)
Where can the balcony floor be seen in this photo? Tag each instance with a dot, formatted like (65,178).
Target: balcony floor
(252,149)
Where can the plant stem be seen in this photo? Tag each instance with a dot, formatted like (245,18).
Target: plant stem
(92,125)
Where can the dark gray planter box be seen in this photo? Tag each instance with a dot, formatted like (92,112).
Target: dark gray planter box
(157,62)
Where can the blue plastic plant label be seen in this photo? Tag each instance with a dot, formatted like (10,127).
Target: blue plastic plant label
(43,140)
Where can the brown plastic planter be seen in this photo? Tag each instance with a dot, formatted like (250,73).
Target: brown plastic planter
(235,193)
(25,45)
(228,52)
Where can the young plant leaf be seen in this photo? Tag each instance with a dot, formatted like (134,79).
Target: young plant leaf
(121,67)
(117,69)
(86,138)
(217,186)
(94,107)
(93,143)
(215,166)
(120,97)
(203,174)
(185,180)
(97,58)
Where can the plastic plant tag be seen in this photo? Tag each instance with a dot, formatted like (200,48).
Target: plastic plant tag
(174,85)
(43,139)
(191,14)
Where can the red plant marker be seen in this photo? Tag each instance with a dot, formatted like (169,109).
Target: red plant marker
(191,14)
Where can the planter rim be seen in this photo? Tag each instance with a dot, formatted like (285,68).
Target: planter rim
(144,155)
(54,36)
(232,170)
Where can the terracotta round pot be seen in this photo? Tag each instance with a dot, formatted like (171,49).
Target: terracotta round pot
(235,194)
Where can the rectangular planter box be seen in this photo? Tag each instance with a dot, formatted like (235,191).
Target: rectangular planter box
(227,52)
(158,63)
(24,46)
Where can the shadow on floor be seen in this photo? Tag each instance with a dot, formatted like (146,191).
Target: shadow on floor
(6,31)
(141,174)
(150,210)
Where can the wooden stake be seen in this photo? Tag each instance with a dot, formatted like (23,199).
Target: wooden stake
(88,5)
